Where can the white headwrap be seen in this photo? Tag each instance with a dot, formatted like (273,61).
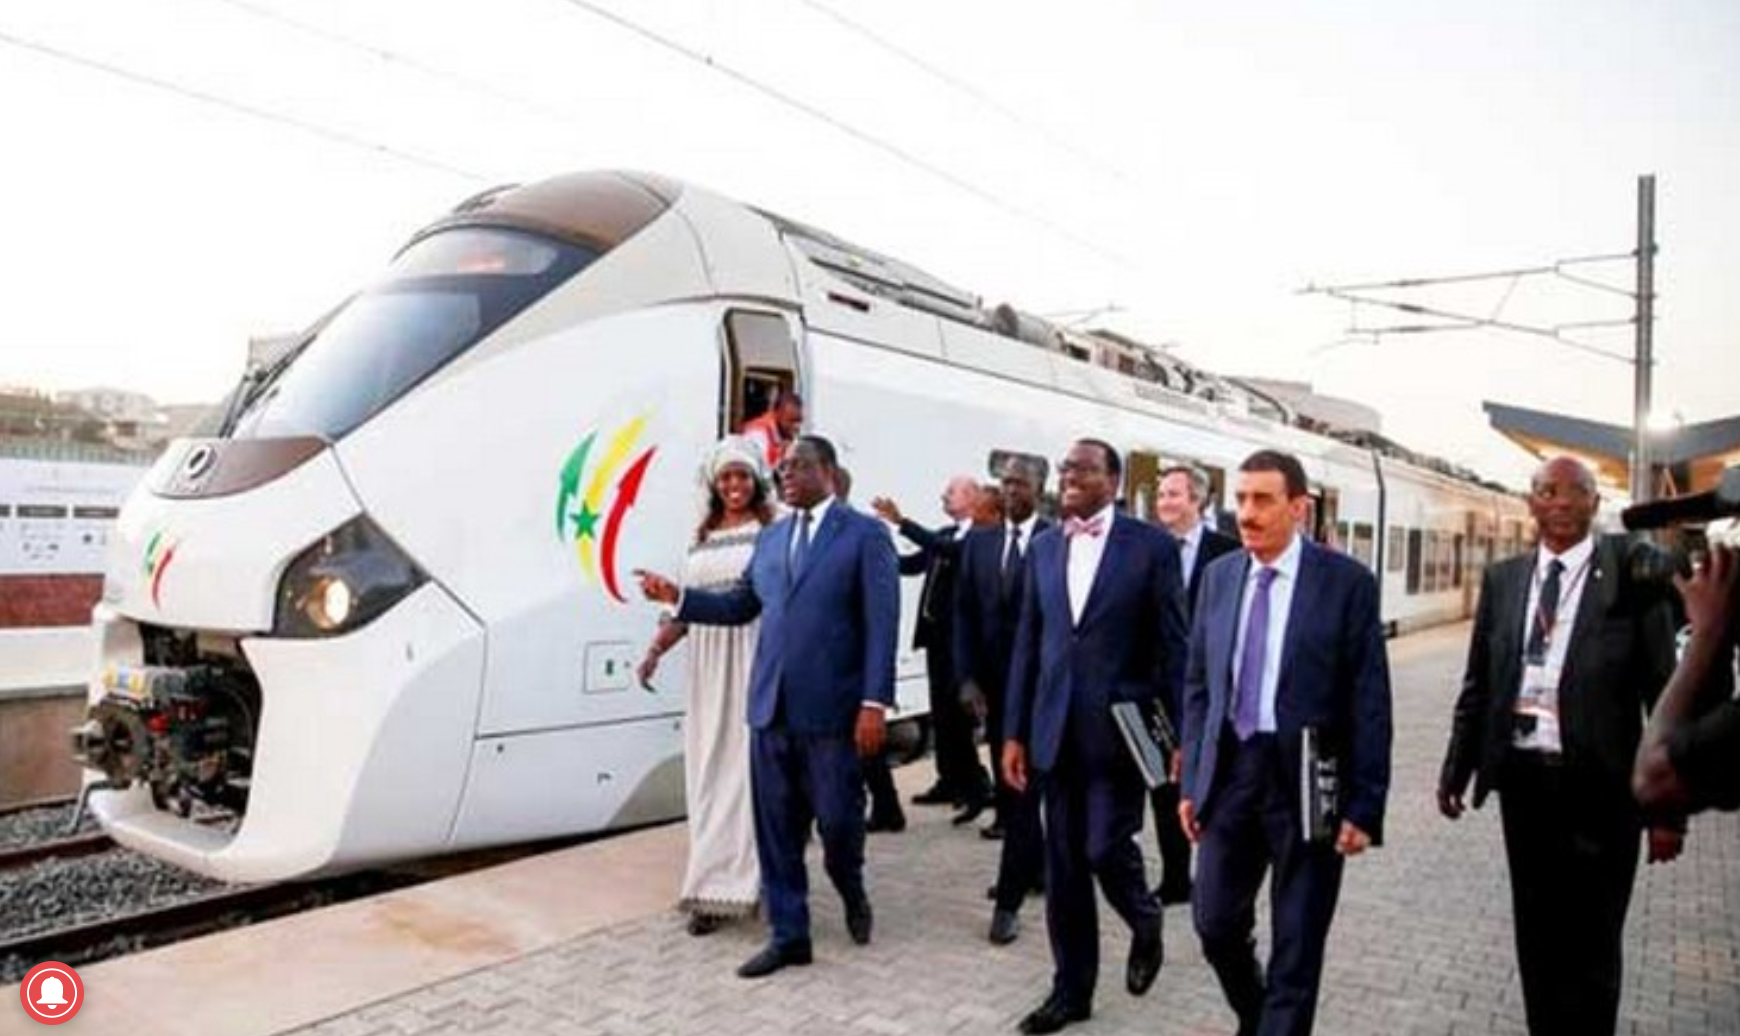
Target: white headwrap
(733,450)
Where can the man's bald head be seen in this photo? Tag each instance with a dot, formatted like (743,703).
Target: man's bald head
(1563,499)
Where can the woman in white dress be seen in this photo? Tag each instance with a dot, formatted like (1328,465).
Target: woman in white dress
(723,880)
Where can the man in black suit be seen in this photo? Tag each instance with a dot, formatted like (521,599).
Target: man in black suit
(1102,623)
(987,610)
(960,779)
(1567,654)
(1179,507)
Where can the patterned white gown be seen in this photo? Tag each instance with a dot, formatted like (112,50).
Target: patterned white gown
(723,878)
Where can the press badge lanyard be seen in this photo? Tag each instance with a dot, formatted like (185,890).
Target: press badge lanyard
(1549,624)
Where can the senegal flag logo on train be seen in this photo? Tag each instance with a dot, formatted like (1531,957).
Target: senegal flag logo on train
(158,554)
(599,487)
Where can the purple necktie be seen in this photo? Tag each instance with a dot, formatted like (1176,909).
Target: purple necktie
(1250,690)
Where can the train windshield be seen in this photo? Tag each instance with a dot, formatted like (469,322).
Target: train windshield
(441,296)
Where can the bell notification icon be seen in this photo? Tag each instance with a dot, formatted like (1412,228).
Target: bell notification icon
(51,992)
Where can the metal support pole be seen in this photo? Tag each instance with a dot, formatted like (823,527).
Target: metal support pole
(1642,464)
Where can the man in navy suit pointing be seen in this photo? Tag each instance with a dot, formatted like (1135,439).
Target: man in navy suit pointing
(1286,638)
(823,580)
(1102,621)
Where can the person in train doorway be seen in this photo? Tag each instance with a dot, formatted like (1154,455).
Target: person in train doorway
(1567,654)
(1287,674)
(822,574)
(1179,506)
(960,778)
(777,427)
(987,610)
(886,816)
(1102,621)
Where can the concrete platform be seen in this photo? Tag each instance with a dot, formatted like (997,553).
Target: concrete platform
(586,941)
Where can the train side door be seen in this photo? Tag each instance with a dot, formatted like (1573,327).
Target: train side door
(760,361)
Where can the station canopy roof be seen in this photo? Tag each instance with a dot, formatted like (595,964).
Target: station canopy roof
(1693,455)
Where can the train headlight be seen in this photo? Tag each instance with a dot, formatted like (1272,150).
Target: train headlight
(329,606)
(343,582)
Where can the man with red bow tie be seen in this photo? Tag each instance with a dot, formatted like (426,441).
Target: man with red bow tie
(1102,621)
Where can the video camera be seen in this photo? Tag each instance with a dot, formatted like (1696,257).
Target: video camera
(1653,563)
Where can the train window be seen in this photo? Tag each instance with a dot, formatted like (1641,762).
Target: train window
(1416,544)
(1361,544)
(1397,558)
(1456,561)
(1429,576)
(441,296)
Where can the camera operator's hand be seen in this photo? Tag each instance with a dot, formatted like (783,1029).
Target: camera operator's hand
(1709,594)
(1665,844)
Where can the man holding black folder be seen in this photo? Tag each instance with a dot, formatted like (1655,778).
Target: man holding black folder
(1102,622)
(1286,699)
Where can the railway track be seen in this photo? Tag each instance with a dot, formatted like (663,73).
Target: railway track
(90,941)
(15,857)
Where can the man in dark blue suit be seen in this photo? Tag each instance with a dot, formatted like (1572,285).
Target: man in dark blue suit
(1286,637)
(823,581)
(987,605)
(1102,621)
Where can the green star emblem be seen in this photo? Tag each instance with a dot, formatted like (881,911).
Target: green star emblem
(586,523)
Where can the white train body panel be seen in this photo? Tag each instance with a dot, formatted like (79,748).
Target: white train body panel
(527,477)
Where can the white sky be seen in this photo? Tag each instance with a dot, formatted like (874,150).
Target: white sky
(1217,157)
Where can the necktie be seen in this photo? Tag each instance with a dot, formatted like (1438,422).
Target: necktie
(1256,649)
(1183,560)
(1073,527)
(1012,561)
(800,545)
(1546,613)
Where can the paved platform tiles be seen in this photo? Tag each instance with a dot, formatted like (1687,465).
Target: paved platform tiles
(1422,943)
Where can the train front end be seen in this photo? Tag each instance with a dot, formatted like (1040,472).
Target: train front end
(295,632)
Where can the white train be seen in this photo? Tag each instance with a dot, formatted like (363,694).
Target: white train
(386,613)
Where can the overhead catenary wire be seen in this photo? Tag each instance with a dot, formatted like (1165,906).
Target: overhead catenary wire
(967,89)
(840,125)
(390,56)
(239,107)
(1358,295)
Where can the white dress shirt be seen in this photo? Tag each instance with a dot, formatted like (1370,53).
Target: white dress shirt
(1085,553)
(817,513)
(1188,545)
(1543,681)
(1280,609)
(1009,528)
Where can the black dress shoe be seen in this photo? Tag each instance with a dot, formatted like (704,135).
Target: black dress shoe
(1005,926)
(704,924)
(1173,894)
(968,813)
(992,832)
(773,957)
(890,823)
(1147,952)
(938,794)
(1053,1015)
(859,921)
